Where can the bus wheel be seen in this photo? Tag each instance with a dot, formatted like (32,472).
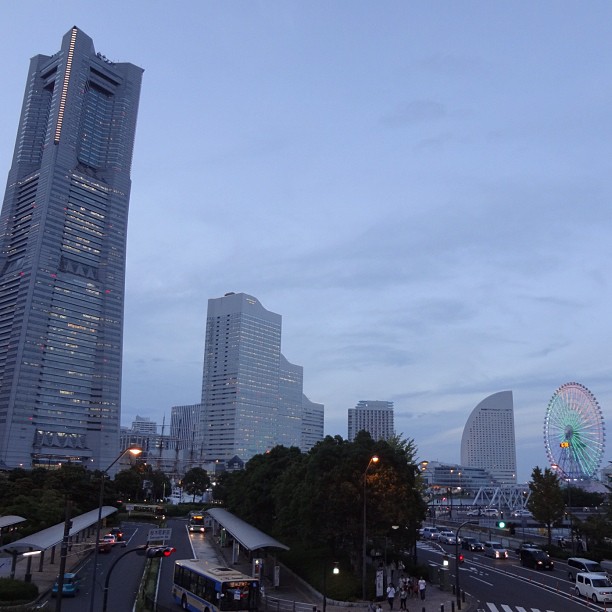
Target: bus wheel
(184,603)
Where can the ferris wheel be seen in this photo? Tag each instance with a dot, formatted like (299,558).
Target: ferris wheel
(574,432)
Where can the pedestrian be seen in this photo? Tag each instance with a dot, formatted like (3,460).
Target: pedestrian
(379,608)
(403,594)
(391,595)
(422,586)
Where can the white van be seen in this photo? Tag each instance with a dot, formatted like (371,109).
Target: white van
(429,533)
(595,587)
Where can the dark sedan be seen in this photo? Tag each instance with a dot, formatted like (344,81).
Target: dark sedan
(471,544)
(537,559)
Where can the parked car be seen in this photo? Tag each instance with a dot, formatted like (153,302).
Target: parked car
(491,512)
(495,550)
(472,544)
(446,537)
(473,512)
(579,564)
(536,559)
(70,587)
(595,587)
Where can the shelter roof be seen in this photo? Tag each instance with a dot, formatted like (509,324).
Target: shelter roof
(42,540)
(7,521)
(246,535)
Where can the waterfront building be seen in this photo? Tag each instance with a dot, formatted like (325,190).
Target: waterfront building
(375,417)
(488,440)
(63,230)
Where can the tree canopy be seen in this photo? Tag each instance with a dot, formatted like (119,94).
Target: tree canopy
(318,496)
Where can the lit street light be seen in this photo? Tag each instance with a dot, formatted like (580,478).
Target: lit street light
(373,459)
(335,571)
(135,451)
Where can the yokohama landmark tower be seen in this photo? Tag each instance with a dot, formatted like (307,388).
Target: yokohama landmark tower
(62,259)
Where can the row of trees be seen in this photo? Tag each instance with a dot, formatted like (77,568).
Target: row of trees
(317,498)
(550,501)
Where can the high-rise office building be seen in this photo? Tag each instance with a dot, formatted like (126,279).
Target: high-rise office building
(375,417)
(488,438)
(312,423)
(251,395)
(62,259)
(144,425)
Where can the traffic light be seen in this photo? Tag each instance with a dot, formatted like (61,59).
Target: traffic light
(160,551)
(461,558)
(501,524)
(512,528)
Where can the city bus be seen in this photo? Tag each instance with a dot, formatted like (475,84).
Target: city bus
(196,522)
(200,585)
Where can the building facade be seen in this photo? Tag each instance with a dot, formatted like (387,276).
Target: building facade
(251,395)
(375,417)
(488,440)
(62,259)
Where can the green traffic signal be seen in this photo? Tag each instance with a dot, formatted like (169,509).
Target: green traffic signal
(501,524)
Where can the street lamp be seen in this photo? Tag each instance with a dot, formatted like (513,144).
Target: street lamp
(373,459)
(335,572)
(457,560)
(559,469)
(135,451)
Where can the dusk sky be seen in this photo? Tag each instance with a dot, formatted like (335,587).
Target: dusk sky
(421,189)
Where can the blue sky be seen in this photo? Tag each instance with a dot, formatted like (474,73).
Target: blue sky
(421,189)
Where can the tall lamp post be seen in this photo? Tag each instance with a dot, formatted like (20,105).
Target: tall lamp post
(567,479)
(373,459)
(135,451)
(458,591)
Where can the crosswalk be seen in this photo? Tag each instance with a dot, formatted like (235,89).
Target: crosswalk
(491,607)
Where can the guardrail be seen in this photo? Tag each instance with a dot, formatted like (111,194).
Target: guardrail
(274,604)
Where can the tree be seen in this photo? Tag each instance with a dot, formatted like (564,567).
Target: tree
(196,481)
(127,484)
(546,500)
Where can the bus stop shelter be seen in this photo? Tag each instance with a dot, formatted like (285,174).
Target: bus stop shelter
(38,543)
(242,535)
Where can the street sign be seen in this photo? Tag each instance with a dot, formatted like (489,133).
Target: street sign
(159,535)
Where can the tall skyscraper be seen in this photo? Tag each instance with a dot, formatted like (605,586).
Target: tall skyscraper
(488,438)
(375,417)
(62,259)
(251,395)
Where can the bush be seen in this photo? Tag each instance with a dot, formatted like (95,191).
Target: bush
(17,591)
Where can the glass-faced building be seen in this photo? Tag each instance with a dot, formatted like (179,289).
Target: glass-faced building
(488,438)
(252,396)
(62,259)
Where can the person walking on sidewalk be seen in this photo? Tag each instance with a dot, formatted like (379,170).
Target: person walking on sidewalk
(390,595)
(422,586)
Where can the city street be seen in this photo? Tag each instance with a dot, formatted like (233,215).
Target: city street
(496,583)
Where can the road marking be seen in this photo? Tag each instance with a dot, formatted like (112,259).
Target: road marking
(481,580)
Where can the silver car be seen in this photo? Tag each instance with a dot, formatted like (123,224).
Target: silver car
(495,550)
(446,537)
